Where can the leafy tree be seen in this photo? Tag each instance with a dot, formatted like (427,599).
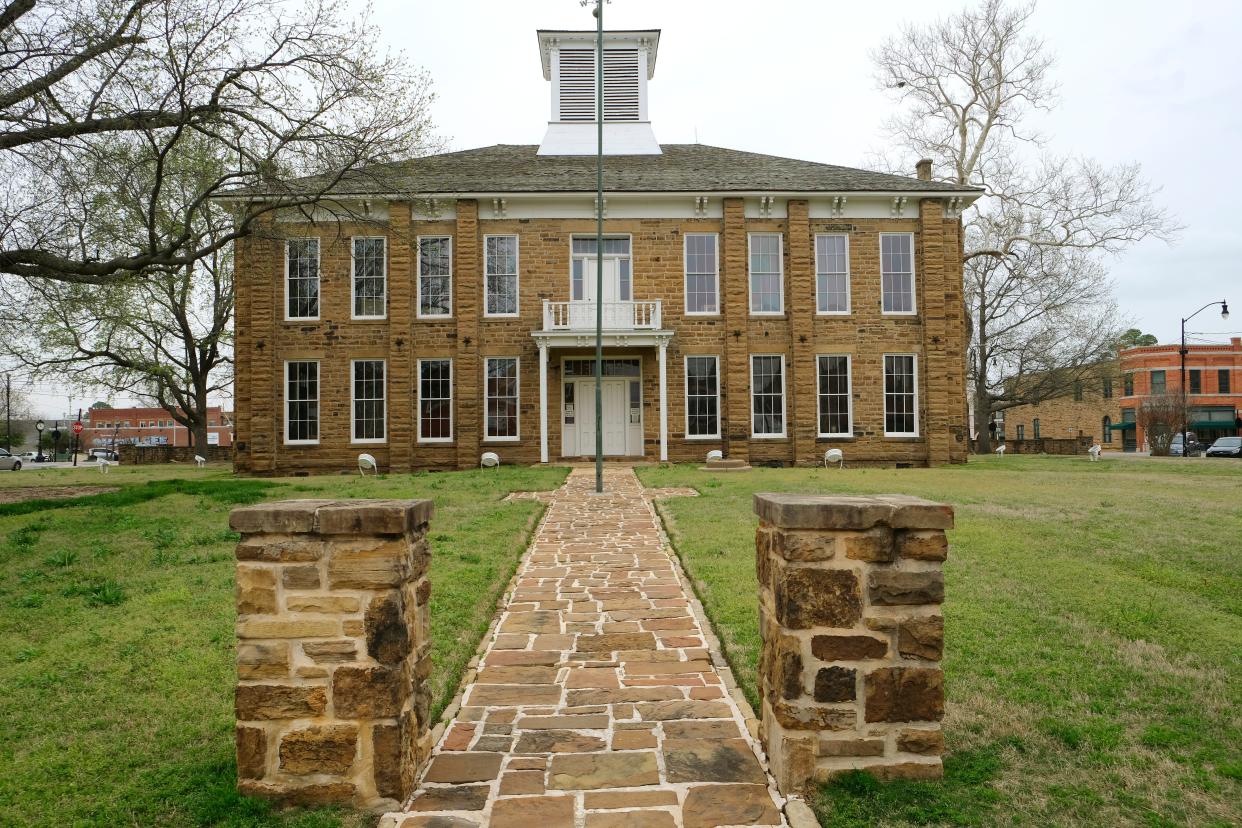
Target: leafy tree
(1134,338)
(1040,305)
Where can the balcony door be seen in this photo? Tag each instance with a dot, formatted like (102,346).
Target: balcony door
(617,286)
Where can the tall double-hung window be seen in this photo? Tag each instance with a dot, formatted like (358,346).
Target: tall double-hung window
(767,395)
(766,272)
(501,398)
(369,416)
(702,396)
(302,401)
(302,279)
(500,255)
(370,278)
(897,272)
(435,400)
(834,395)
(901,399)
(832,274)
(702,274)
(435,276)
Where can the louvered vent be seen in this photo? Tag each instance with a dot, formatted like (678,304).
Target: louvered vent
(577,85)
(577,98)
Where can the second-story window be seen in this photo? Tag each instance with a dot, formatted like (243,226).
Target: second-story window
(897,272)
(1196,381)
(302,279)
(1157,382)
(832,274)
(1106,387)
(766,269)
(435,276)
(1128,385)
(1222,380)
(702,274)
(370,278)
(501,275)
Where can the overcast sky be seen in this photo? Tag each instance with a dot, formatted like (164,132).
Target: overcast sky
(1140,81)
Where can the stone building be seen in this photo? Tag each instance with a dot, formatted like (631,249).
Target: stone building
(767,307)
(1091,409)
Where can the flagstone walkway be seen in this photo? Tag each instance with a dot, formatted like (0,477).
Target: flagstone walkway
(596,702)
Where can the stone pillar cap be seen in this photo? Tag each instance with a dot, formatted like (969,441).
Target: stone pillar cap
(332,517)
(856,512)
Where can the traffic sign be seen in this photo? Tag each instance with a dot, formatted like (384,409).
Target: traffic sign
(77,428)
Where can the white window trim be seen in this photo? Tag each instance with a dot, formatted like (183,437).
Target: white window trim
(418,277)
(685,274)
(849,294)
(517,275)
(849,398)
(318,278)
(284,381)
(784,400)
(517,360)
(750,292)
(685,372)
(914,278)
(353,278)
(353,418)
(884,401)
(452,401)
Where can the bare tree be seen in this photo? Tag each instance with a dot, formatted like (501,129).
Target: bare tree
(278,88)
(1038,298)
(1161,416)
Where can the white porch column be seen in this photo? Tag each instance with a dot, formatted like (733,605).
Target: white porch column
(663,400)
(543,402)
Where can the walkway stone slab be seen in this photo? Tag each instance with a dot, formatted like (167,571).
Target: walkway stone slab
(596,702)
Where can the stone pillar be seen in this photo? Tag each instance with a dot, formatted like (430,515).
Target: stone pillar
(849,609)
(333,650)
(735,304)
(401,388)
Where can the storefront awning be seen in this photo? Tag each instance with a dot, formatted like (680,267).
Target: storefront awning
(1207,425)
(1122,426)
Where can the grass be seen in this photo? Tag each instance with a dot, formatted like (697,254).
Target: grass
(116,634)
(1093,651)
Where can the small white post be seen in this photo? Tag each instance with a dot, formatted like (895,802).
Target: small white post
(663,400)
(543,402)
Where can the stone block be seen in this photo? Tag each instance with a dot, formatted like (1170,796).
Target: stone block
(372,517)
(782,656)
(928,742)
(251,752)
(262,660)
(899,588)
(366,692)
(923,546)
(256,702)
(707,806)
(319,749)
(848,647)
(283,517)
(794,545)
(331,652)
(255,589)
(835,684)
(807,597)
(808,717)
(851,747)
(874,545)
(388,639)
(367,564)
(921,637)
(325,604)
(904,694)
(284,627)
(300,577)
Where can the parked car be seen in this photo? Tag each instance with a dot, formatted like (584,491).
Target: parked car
(10,461)
(1193,446)
(1226,447)
(104,453)
(29,456)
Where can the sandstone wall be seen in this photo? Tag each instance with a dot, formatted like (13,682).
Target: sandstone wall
(850,591)
(333,650)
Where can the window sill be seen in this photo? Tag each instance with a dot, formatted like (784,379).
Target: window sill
(830,314)
(301,443)
(903,438)
(445,318)
(368,319)
(502,316)
(502,440)
(702,438)
(771,438)
(446,442)
(382,442)
(835,438)
(702,314)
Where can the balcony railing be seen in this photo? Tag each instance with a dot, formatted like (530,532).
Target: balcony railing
(617,316)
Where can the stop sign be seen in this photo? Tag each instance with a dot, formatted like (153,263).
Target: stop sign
(77,428)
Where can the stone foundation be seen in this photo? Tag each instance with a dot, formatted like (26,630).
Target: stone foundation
(333,650)
(849,607)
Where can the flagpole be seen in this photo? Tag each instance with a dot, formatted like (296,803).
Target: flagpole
(599,245)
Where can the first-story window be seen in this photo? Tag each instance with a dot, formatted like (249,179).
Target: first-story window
(435,400)
(368,395)
(766,270)
(500,397)
(501,275)
(832,274)
(702,273)
(1035,427)
(834,396)
(702,396)
(435,276)
(900,395)
(302,401)
(1107,426)
(370,277)
(302,279)
(767,396)
(1021,432)
(897,272)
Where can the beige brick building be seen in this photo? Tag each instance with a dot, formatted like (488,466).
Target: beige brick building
(767,307)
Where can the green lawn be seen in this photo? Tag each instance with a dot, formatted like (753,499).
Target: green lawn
(1093,647)
(116,633)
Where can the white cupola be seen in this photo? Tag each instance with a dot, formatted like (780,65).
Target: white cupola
(569,63)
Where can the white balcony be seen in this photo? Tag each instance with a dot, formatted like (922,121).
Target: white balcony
(579,317)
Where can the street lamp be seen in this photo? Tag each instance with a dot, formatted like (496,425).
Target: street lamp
(1224,314)
(598,11)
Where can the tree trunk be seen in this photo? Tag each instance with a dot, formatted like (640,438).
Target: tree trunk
(983,416)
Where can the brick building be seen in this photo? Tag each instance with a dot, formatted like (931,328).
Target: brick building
(105,427)
(764,306)
(1213,380)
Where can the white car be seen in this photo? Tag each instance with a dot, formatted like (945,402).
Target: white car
(10,461)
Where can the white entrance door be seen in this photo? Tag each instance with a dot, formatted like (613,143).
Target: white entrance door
(613,392)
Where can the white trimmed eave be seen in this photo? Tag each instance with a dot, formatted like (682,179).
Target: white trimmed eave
(611,339)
